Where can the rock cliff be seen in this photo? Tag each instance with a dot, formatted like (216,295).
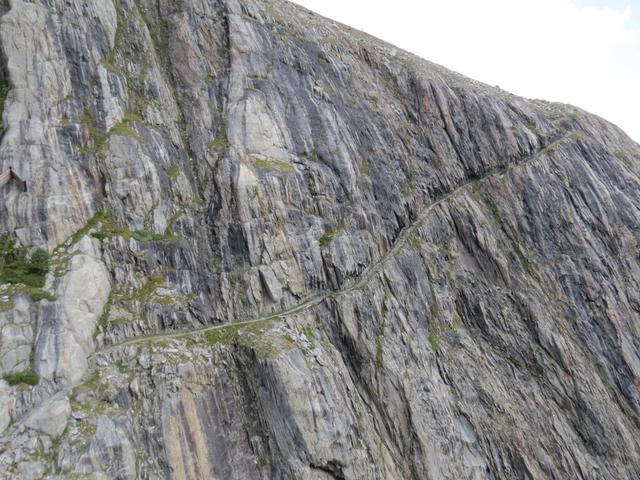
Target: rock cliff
(280,248)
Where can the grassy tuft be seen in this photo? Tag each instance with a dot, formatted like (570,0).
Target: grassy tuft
(27,378)
(434,340)
(273,165)
(123,129)
(331,234)
(173,171)
(4,89)
(220,144)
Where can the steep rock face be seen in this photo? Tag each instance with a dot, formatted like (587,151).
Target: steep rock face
(284,249)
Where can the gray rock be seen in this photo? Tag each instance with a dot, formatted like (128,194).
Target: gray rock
(67,326)
(50,417)
(285,249)
(6,403)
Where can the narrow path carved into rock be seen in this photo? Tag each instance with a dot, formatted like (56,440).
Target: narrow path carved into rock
(362,280)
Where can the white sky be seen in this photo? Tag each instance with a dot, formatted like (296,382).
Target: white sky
(583,52)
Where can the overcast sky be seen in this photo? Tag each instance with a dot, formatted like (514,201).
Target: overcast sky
(583,52)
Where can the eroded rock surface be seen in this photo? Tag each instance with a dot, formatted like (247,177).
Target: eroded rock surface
(284,249)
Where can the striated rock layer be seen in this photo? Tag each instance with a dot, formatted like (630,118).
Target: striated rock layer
(284,249)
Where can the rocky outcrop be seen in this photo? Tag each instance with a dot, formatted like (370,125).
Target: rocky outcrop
(281,248)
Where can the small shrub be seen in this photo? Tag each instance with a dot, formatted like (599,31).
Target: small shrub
(39,263)
(27,378)
(16,269)
(262,462)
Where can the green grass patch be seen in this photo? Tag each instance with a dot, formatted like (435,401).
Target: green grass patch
(329,40)
(220,144)
(173,171)
(26,378)
(331,234)
(533,128)
(98,218)
(123,129)
(259,336)
(39,294)
(100,139)
(415,240)
(16,268)
(149,236)
(171,223)
(273,165)
(109,227)
(434,339)
(309,332)
(4,89)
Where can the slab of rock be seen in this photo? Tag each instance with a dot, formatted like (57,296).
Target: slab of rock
(50,417)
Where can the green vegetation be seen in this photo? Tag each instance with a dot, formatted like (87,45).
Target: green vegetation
(273,165)
(259,336)
(122,129)
(4,89)
(109,61)
(218,145)
(262,462)
(145,293)
(28,378)
(329,40)
(173,171)
(415,240)
(310,334)
(434,339)
(109,227)
(148,236)
(15,268)
(533,128)
(364,170)
(216,262)
(39,294)
(456,321)
(100,218)
(313,155)
(575,136)
(331,234)
(270,11)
